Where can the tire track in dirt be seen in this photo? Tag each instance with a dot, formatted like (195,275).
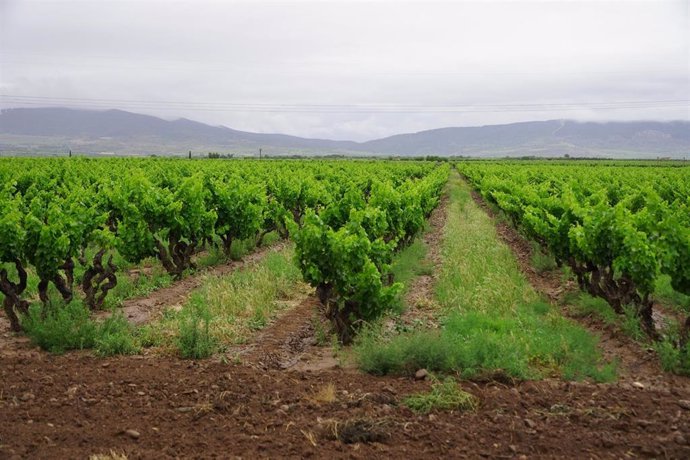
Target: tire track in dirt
(290,342)
(635,363)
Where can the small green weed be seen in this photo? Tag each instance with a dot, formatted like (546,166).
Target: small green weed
(541,260)
(630,325)
(445,395)
(673,358)
(115,336)
(194,338)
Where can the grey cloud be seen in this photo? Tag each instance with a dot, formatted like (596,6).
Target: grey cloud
(184,57)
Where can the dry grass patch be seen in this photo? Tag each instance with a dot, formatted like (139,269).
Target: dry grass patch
(324,395)
(112,455)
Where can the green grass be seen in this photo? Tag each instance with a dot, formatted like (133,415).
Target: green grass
(664,292)
(407,265)
(229,308)
(445,395)
(583,304)
(672,358)
(494,321)
(194,338)
(70,327)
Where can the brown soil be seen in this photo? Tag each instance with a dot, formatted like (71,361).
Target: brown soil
(290,340)
(76,405)
(636,364)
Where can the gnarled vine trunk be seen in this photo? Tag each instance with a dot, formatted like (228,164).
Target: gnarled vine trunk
(98,280)
(177,257)
(340,316)
(12,292)
(64,284)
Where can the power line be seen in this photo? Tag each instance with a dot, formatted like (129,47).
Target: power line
(225,106)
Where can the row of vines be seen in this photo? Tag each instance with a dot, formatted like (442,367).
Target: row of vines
(66,219)
(617,228)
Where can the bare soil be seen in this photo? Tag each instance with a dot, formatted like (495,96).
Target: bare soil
(76,405)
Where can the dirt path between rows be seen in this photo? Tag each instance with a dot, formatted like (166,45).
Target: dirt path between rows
(419,296)
(636,363)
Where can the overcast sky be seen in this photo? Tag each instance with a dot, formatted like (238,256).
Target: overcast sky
(350,70)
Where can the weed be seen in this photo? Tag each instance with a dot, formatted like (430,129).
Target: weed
(445,395)
(194,337)
(63,328)
(665,293)
(672,357)
(70,327)
(541,260)
(584,304)
(631,326)
(320,330)
(115,337)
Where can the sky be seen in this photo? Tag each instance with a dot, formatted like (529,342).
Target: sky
(350,70)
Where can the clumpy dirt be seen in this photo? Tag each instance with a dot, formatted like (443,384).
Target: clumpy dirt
(637,364)
(76,405)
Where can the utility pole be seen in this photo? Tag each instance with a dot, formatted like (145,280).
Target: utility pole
(259,153)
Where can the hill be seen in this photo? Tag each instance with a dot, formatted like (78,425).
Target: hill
(57,130)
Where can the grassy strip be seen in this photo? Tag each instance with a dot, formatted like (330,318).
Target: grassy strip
(410,263)
(71,328)
(494,320)
(227,309)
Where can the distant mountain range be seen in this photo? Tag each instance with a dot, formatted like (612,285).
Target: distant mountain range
(58,130)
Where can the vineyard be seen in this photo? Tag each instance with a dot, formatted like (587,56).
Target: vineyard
(330,305)
(618,229)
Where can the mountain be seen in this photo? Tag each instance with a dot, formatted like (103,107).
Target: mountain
(56,130)
(546,138)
